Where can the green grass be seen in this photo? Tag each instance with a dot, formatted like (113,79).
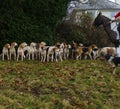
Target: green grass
(71,84)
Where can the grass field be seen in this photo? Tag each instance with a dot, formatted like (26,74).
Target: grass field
(71,84)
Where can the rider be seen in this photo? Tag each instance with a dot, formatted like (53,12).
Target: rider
(117,19)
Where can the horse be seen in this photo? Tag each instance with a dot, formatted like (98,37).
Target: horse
(105,21)
(108,27)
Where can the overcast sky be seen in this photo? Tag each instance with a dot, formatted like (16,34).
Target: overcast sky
(112,0)
(118,1)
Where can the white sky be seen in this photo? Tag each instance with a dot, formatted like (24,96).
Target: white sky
(112,0)
(117,1)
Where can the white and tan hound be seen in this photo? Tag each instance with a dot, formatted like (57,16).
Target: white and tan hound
(43,51)
(20,51)
(5,51)
(13,50)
